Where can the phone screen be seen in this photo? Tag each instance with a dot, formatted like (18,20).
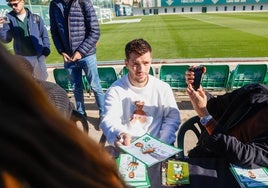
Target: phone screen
(198,71)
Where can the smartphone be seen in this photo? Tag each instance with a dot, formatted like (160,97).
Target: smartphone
(198,71)
(6,19)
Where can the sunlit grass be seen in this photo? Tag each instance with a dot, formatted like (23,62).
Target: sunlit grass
(186,36)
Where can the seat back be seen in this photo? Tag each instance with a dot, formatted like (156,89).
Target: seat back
(63,79)
(174,75)
(265,81)
(107,76)
(191,125)
(124,71)
(245,74)
(86,85)
(216,77)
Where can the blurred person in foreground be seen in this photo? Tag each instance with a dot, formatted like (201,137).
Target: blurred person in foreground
(139,103)
(56,94)
(29,34)
(235,123)
(41,148)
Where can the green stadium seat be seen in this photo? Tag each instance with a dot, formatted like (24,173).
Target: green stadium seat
(265,81)
(107,76)
(193,126)
(124,71)
(62,78)
(216,77)
(244,74)
(86,85)
(174,75)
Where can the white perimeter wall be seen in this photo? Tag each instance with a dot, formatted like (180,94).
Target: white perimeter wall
(198,9)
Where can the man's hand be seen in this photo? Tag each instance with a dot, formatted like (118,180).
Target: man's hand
(189,75)
(2,20)
(123,139)
(66,57)
(198,98)
(77,56)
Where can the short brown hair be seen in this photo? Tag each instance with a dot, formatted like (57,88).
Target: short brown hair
(138,46)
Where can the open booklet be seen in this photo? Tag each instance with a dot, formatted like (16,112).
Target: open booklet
(150,150)
(250,178)
(133,171)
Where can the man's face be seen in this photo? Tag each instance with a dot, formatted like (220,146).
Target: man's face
(17,5)
(138,67)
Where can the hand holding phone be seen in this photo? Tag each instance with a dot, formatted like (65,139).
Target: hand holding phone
(4,19)
(198,71)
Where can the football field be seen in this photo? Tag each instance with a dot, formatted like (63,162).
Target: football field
(220,35)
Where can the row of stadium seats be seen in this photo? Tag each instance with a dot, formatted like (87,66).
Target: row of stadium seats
(217,77)
(107,76)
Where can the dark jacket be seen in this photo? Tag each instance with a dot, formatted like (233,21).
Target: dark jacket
(37,30)
(74,27)
(241,112)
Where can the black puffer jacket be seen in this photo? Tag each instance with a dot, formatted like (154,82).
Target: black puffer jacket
(232,110)
(74,26)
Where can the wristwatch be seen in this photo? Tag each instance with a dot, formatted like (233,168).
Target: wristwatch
(204,120)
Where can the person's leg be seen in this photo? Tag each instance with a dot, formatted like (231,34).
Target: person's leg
(91,72)
(75,71)
(39,66)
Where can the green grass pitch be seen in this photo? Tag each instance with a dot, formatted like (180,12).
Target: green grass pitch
(207,35)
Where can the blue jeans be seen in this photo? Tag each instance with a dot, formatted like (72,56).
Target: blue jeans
(89,66)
